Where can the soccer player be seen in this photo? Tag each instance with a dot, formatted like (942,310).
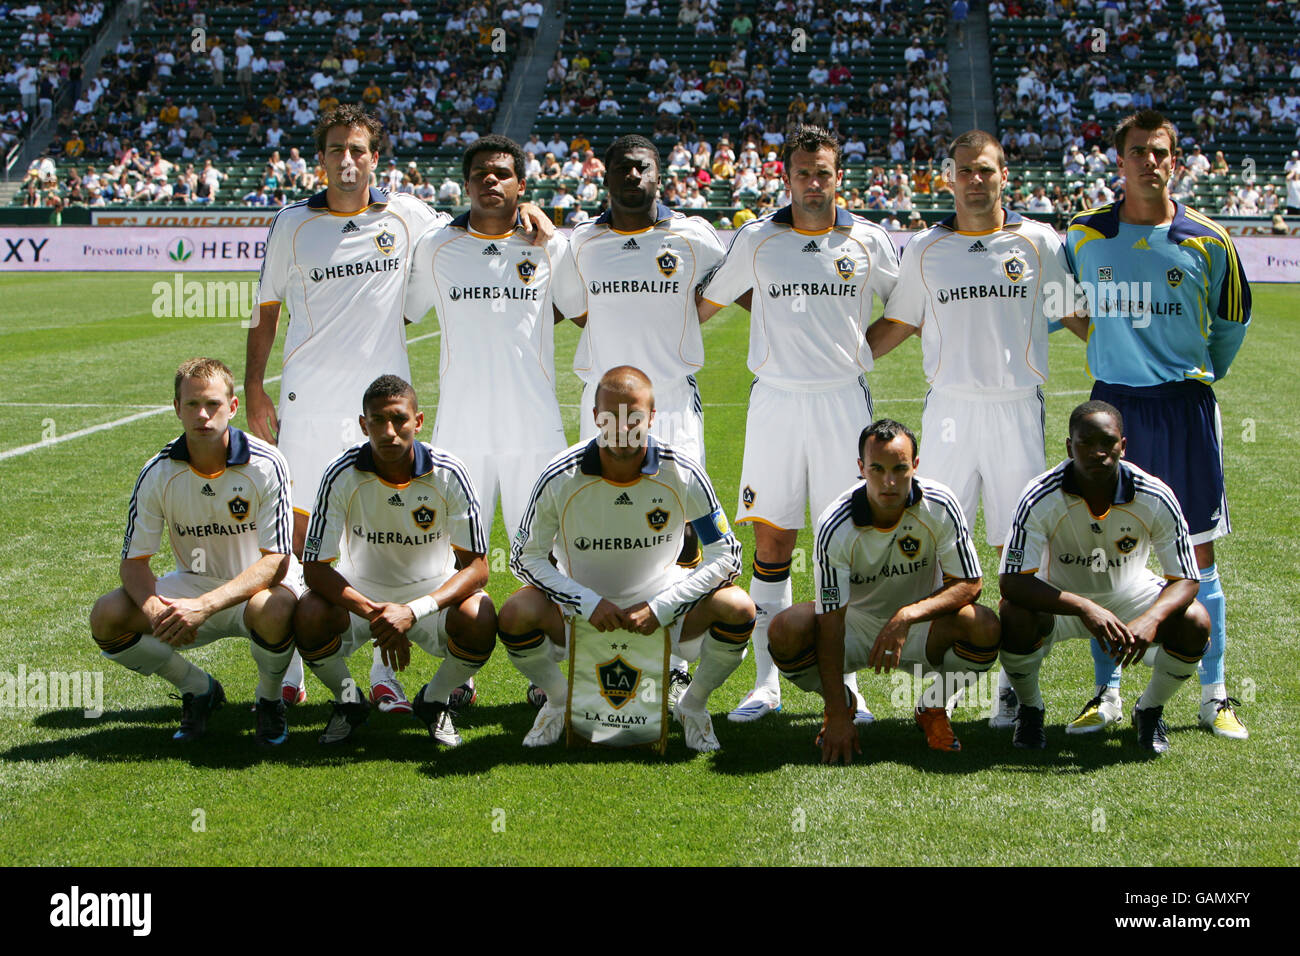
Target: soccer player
(224,497)
(896,579)
(1169,306)
(339,260)
(1075,565)
(612,511)
(813,269)
(629,281)
(981,289)
(497,410)
(394,512)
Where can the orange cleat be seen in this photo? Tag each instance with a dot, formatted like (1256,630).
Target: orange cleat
(934,722)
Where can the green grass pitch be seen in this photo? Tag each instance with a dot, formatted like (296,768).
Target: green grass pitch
(79,350)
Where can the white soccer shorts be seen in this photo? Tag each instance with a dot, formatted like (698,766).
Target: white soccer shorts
(309,440)
(1125,605)
(688,650)
(800,447)
(429,633)
(861,631)
(974,443)
(679,416)
(225,623)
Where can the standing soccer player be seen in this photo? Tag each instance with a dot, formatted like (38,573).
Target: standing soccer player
(813,269)
(896,582)
(224,497)
(1075,565)
(981,288)
(1169,306)
(629,281)
(612,511)
(339,260)
(395,514)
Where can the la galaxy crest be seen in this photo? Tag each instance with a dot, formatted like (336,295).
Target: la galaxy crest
(1014,268)
(238,508)
(1174,277)
(526,269)
(909,546)
(386,241)
(424,517)
(657,519)
(618,681)
(846,267)
(668,262)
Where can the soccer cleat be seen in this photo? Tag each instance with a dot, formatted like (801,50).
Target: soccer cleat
(436,717)
(861,715)
(697,728)
(1098,714)
(347,717)
(678,681)
(753,707)
(536,696)
(547,728)
(388,696)
(1005,716)
(293,694)
(272,728)
(1152,731)
(197,708)
(463,696)
(1217,715)
(934,723)
(1030,734)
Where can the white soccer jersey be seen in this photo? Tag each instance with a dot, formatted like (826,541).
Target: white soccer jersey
(983,301)
(342,278)
(637,290)
(219,525)
(497,366)
(620,541)
(394,542)
(878,570)
(812,295)
(1057,537)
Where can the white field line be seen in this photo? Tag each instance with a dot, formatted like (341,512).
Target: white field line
(74,405)
(885,401)
(116,423)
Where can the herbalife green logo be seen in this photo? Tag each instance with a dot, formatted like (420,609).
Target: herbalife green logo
(181,252)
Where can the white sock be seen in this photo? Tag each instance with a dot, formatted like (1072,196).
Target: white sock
(531,656)
(451,674)
(771,598)
(676,663)
(719,659)
(333,673)
(379,671)
(271,667)
(1022,672)
(1211,692)
(293,675)
(1168,673)
(149,655)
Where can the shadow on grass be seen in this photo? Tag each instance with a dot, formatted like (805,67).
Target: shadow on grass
(494,734)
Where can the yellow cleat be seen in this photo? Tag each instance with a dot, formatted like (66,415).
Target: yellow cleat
(1098,714)
(1217,715)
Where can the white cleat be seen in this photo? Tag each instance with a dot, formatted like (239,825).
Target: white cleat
(1098,714)
(548,727)
(861,715)
(1004,717)
(755,706)
(698,728)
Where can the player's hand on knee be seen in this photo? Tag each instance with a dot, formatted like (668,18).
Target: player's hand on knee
(1113,633)
(180,623)
(840,740)
(391,620)
(641,619)
(607,617)
(888,647)
(1143,630)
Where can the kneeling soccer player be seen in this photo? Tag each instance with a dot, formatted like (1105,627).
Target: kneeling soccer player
(393,511)
(896,577)
(224,496)
(613,512)
(1075,566)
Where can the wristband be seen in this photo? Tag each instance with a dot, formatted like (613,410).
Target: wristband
(423,607)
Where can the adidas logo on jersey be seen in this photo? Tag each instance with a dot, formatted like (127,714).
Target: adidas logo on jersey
(1142,244)
(396,500)
(810,247)
(207,491)
(492,250)
(977,246)
(351,227)
(623,499)
(631,244)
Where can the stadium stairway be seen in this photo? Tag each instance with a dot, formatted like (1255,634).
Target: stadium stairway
(528,80)
(970,76)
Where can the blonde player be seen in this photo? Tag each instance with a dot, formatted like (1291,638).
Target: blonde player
(612,512)
(1075,565)
(224,497)
(813,269)
(896,582)
(982,289)
(402,521)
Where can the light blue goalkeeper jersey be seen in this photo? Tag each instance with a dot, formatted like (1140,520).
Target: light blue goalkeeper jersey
(1167,303)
